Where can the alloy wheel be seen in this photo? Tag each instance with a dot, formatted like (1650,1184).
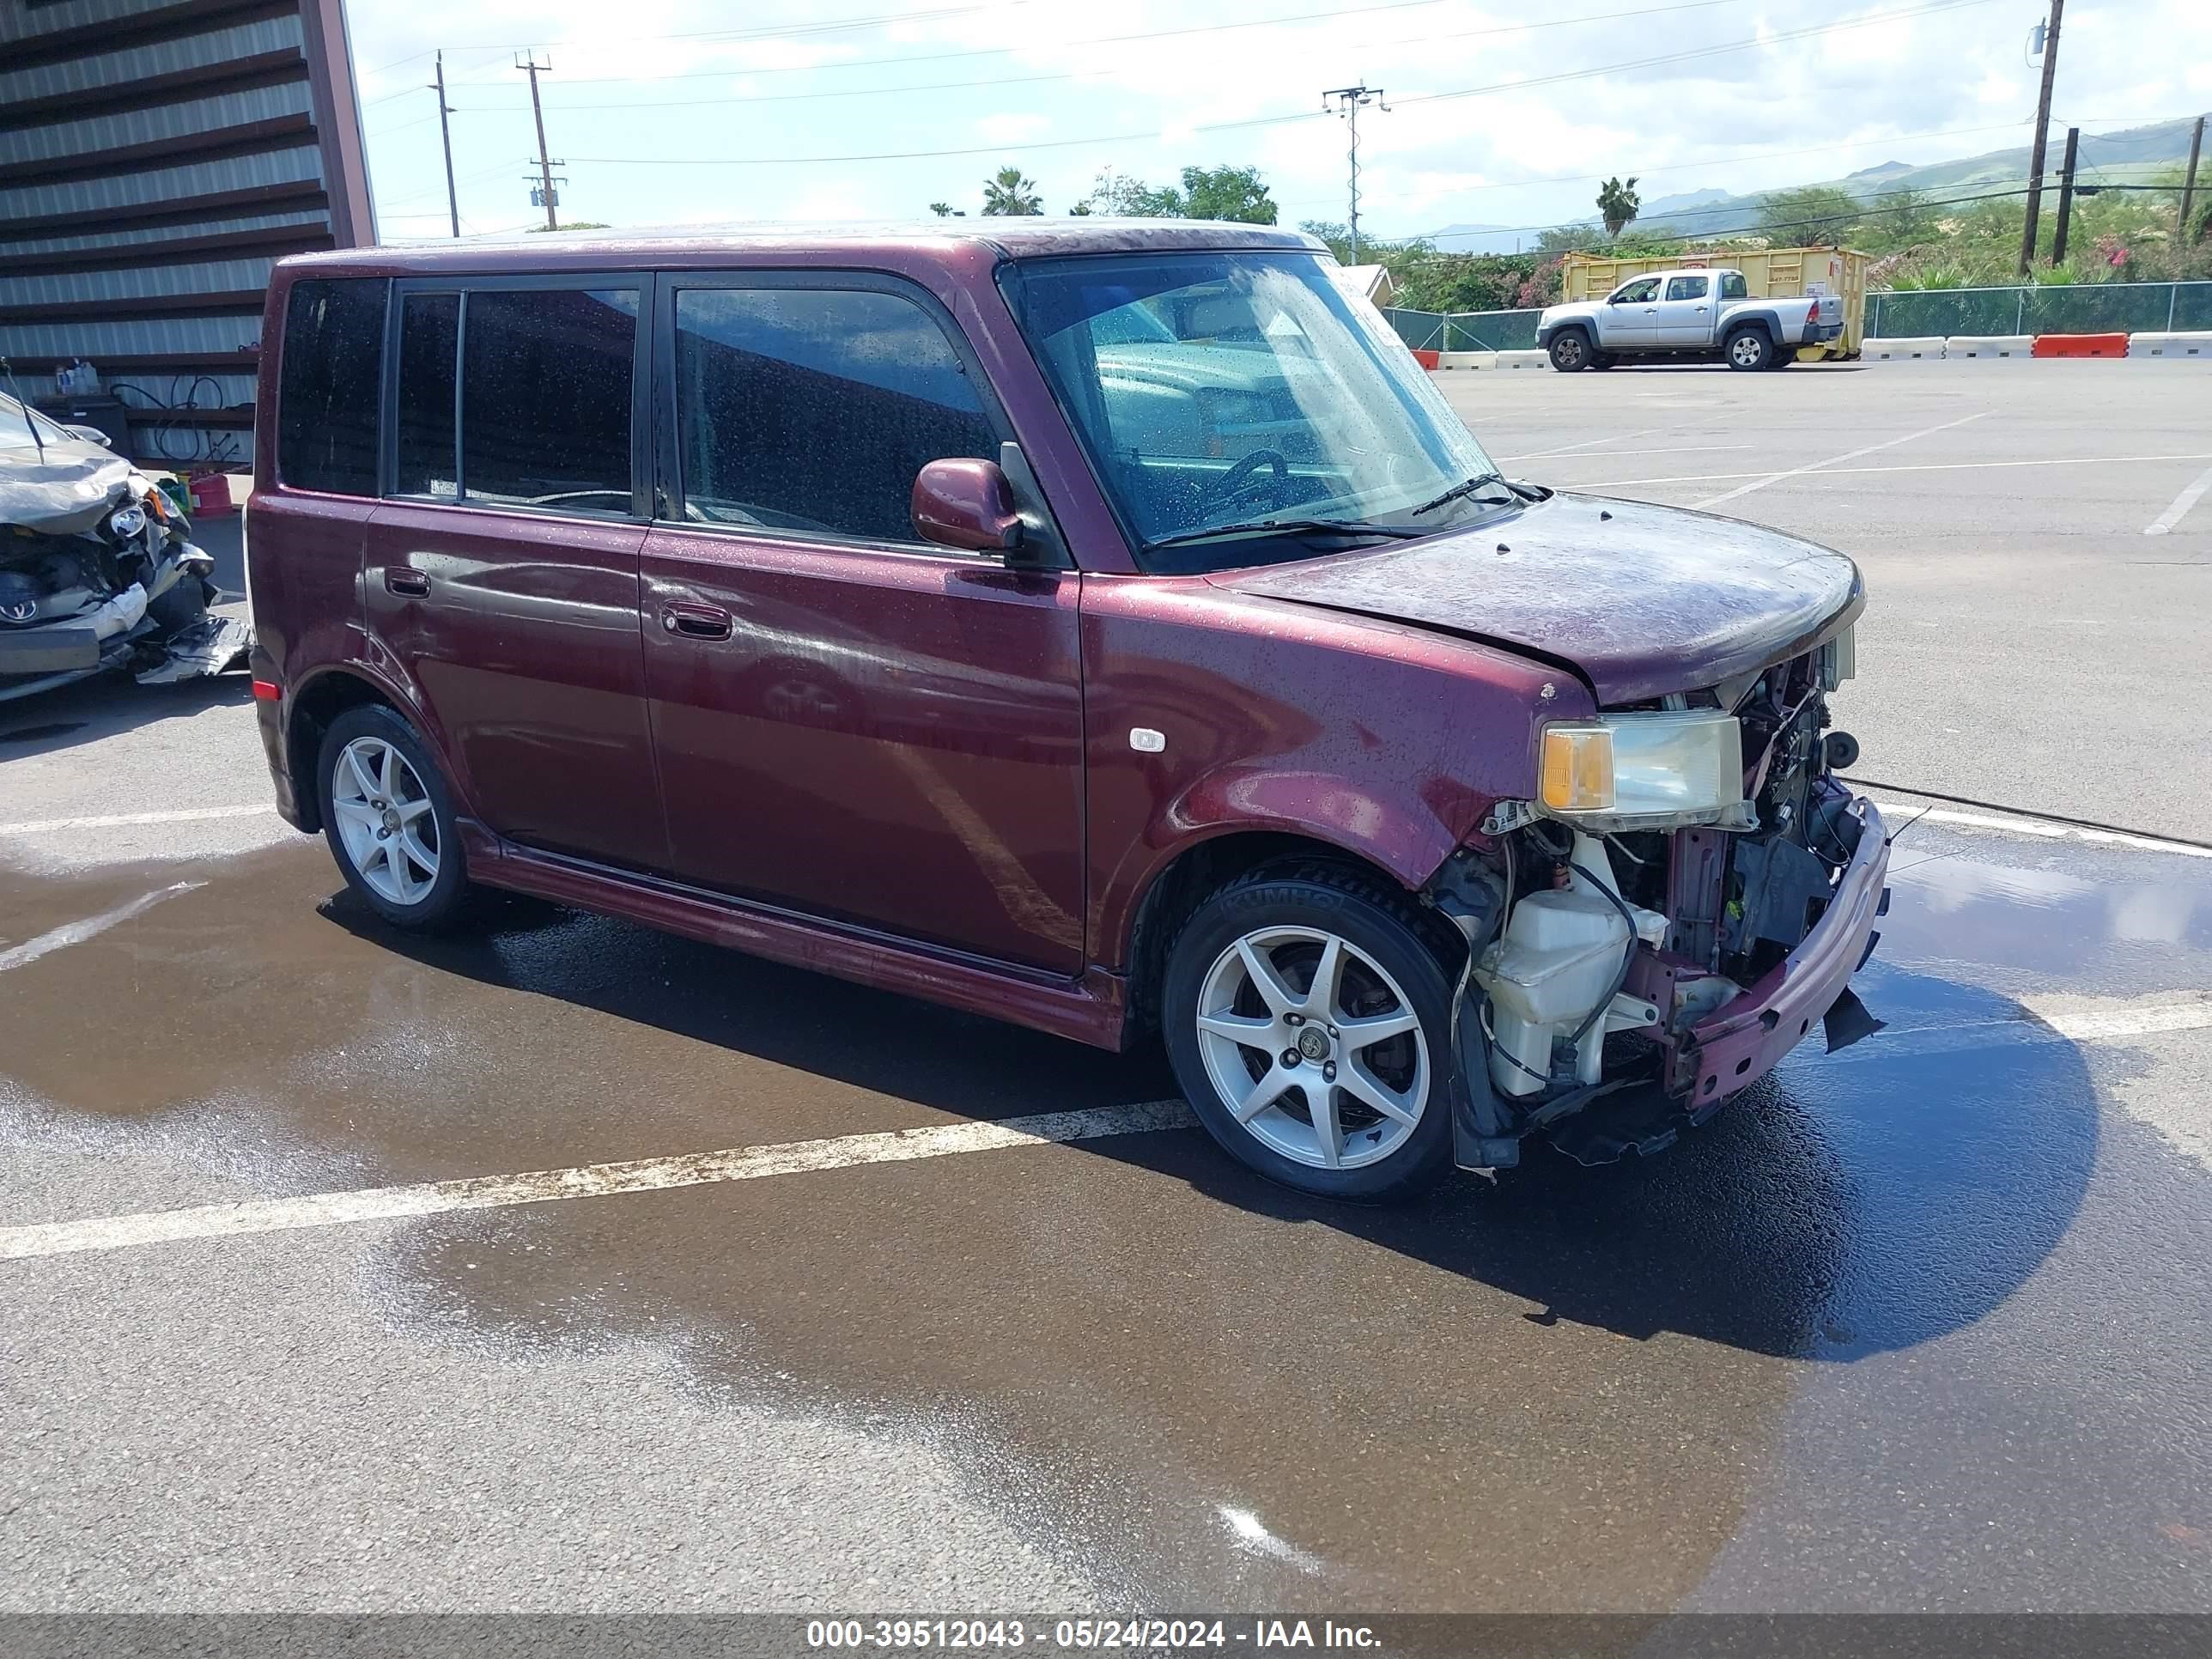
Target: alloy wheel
(386,820)
(1314,1049)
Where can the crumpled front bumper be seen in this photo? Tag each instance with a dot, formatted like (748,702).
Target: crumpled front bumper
(1745,1038)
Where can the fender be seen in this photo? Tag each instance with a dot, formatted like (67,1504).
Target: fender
(1211,711)
(1736,318)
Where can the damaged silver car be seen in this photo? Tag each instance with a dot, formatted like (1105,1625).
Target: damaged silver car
(97,566)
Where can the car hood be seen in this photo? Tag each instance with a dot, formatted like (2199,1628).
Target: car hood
(1639,600)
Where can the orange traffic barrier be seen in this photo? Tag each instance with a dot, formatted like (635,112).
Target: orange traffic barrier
(1426,358)
(2079,345)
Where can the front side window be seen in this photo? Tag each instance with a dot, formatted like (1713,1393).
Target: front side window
(1686,288)
(546,380)
(813,409)
(330,389)
(1733,286)
(1640,292)
(1261,394)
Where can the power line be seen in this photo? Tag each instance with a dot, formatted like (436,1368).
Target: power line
(1099,40)
(1862,21)
(784,31)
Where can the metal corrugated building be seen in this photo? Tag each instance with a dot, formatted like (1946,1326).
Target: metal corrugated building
(155,157)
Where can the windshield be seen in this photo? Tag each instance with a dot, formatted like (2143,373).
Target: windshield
(14,431)
(1231,390)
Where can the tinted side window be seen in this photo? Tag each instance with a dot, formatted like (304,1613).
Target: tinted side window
(814,409)
(429,335)
(545,398)
(1686,288)
(1733,286)
(329,396)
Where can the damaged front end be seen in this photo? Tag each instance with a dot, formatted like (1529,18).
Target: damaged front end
(1687,893)
(97,567)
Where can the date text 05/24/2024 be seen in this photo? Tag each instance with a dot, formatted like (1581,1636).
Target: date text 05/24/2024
(1085,1634)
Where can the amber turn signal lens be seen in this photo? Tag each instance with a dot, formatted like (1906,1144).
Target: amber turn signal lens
(1577,772)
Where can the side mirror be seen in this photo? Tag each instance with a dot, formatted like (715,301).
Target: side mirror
(91,434)
(967,504)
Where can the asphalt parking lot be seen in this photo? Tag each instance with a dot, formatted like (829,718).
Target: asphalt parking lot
(1921,1326)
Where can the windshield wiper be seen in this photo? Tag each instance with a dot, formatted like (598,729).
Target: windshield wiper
(1289,527)
(1468,487)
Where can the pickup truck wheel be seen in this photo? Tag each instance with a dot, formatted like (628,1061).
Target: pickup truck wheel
(1307,1020)
(389,819)
(1749,348)
(1570,351)
(1783,357)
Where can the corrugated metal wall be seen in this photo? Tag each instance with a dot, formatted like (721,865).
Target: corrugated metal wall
(156,157)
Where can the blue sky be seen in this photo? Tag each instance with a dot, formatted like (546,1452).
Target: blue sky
(686,111)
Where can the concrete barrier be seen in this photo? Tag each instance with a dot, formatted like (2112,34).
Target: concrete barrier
(1890,351)
(1523,360)
(1425,356)
(1467,360)
(2193,344)
(1989,345)
(2081,345)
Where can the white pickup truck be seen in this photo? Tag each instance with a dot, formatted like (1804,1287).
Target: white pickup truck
(1705,314)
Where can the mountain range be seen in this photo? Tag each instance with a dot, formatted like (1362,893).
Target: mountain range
(2128,156)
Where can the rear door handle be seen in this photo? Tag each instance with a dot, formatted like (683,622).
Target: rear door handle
(399,578)
(695,621)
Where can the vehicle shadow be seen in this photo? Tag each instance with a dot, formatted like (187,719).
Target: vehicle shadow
(86,711)
(1870,1201)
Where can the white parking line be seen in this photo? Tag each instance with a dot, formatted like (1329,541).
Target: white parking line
(76,932)
(2187,499)
(1910,466)
(1610,454)
(1587,443)
(644,1174)
(1898,813)
(2114,1021)
(1847,455)
(116,820)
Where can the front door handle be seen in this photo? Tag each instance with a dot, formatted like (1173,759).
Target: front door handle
(399,579)
(695,621)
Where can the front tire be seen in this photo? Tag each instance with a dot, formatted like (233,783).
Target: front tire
(1749,350)
(1307,1019)
(389,818)
(1570,351)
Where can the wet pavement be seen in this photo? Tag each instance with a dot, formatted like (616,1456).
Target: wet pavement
(1921,1325)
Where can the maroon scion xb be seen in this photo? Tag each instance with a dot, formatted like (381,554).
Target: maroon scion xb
(1106,627)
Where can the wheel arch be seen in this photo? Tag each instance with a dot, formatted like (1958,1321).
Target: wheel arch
(1200,866)
(314,704)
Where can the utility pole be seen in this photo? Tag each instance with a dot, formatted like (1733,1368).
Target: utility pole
(545,162)
(446,137)
(2189,190)
(1348,102)
(2065,197)
(2042,140)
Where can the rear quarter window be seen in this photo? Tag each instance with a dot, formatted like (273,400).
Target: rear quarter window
(546,381)
(331,386)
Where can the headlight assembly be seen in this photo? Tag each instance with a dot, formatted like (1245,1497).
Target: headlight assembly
(1654,771)
(126,522)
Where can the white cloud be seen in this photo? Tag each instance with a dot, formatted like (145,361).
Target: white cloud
(1041,71)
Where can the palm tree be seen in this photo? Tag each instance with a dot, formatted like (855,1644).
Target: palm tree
(1008,195)
(1618,203)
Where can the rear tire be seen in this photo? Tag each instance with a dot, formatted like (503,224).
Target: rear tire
(1570,351)
(389,819)
(1362,1109)
(1749,350)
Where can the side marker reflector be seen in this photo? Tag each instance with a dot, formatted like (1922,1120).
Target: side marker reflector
(268,691)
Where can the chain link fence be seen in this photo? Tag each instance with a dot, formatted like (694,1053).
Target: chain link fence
(1465,330)
(2047,308)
